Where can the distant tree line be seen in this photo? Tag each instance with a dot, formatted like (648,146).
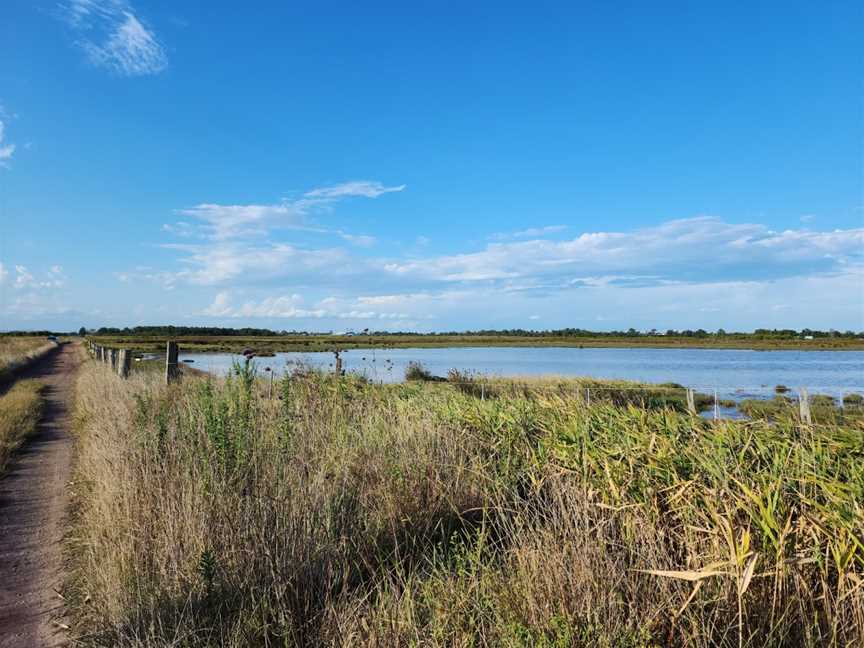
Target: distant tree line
(42,333)
(180,331)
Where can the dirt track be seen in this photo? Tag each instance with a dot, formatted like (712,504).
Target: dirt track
(33,507)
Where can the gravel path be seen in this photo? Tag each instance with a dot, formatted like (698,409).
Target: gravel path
(33,507)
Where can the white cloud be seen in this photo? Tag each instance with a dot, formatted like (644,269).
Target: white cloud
(531,232)
(181,228)
(34,293)
(691,249)
(114,37)
(218,264)
(830,300)
(363,240)
(23,278)
(685,269)
(222,222)
(364,188)
(6,149)
(220,306)
(289,307)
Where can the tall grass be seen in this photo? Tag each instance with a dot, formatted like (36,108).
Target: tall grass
(16,351)
(343,513)
(20,410)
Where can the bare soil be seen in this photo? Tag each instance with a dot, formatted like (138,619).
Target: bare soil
(33,508)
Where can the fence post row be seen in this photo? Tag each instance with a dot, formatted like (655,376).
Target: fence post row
(119,359)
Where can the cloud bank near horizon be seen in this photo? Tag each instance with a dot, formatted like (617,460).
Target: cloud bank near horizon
(256,263)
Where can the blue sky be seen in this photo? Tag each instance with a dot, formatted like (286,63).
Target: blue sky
(431,166)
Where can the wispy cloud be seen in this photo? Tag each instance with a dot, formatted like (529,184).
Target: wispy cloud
(221,222)
(214,264)
(6,148)
(290,307)
(363,240)
(24,279)
(34,293)
(531,232)
(364,188)
(114,37)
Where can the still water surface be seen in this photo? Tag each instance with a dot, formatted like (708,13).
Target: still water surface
(734,373)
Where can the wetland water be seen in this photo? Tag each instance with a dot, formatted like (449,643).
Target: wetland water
(734,373)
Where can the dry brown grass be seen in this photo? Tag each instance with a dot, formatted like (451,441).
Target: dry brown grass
(350,514)
(16,351)
(20,411)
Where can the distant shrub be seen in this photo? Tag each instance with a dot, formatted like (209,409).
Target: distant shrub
(468,383)
(822,400)
(415,371)
(781,389)
(853,399)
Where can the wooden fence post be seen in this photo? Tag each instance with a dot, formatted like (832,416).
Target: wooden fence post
(691,402)
(804,406)
(123,363)
(172,371)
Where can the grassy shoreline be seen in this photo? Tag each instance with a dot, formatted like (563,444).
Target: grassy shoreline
(204,344)
(342,513)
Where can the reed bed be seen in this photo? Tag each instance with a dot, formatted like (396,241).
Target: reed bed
(348,514)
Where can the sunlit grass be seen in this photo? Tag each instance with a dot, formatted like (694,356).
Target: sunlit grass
(20,411)
(345,513)
(15,350)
